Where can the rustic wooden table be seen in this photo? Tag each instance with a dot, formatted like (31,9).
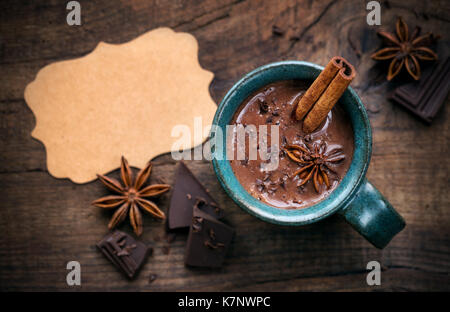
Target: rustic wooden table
(46,222)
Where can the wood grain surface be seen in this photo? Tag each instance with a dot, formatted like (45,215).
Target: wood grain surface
(46,222)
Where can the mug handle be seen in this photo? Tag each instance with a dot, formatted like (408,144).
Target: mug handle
(373,216)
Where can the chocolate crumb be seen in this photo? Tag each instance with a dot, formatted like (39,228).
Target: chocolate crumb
(196,224)
(123,252)
(200,202)
(160,180)
(212,234)
(277,31)
(171,237)
(166,249)
(272,190)
(152,278)
(300,189)
(263,106)
(217,209)
(268,90)
(213,245)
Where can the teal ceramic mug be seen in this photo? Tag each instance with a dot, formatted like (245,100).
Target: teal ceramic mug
(355,198)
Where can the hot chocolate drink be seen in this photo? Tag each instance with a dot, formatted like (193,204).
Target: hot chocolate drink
(311,164)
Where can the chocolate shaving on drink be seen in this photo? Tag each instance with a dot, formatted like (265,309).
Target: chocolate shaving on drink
(310,165)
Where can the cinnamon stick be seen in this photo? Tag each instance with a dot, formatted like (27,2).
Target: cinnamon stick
(317,88)
(324,93)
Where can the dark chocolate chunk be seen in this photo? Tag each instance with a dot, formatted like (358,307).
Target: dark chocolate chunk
(170,237)
(127,254)
(263,106)
(152,278)
(425,97)
(277,31)
(166,249)
(208,241)
(244,162)
(181,205)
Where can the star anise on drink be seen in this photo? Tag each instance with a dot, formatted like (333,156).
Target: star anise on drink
(131,196)
(405,50)
(316,161)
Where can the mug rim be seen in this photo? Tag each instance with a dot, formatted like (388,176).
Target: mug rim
(347,187)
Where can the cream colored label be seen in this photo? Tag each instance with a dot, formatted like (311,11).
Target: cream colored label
(119,100)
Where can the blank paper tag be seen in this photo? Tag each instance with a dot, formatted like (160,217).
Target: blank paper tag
(119,100)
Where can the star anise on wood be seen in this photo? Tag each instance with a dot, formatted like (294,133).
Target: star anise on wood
(131,196)
(316,162)
(405,50)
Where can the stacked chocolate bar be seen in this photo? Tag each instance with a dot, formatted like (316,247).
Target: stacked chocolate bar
(425,97)
(192,207)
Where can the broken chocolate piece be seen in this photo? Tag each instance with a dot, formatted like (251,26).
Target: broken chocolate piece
(277,31)
(170,237)
(181,205)
(424,98)
(166,249)
(152,278)
(208,241)
(127,254)
(263,107)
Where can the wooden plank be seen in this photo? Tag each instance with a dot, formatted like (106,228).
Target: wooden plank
(47,222)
